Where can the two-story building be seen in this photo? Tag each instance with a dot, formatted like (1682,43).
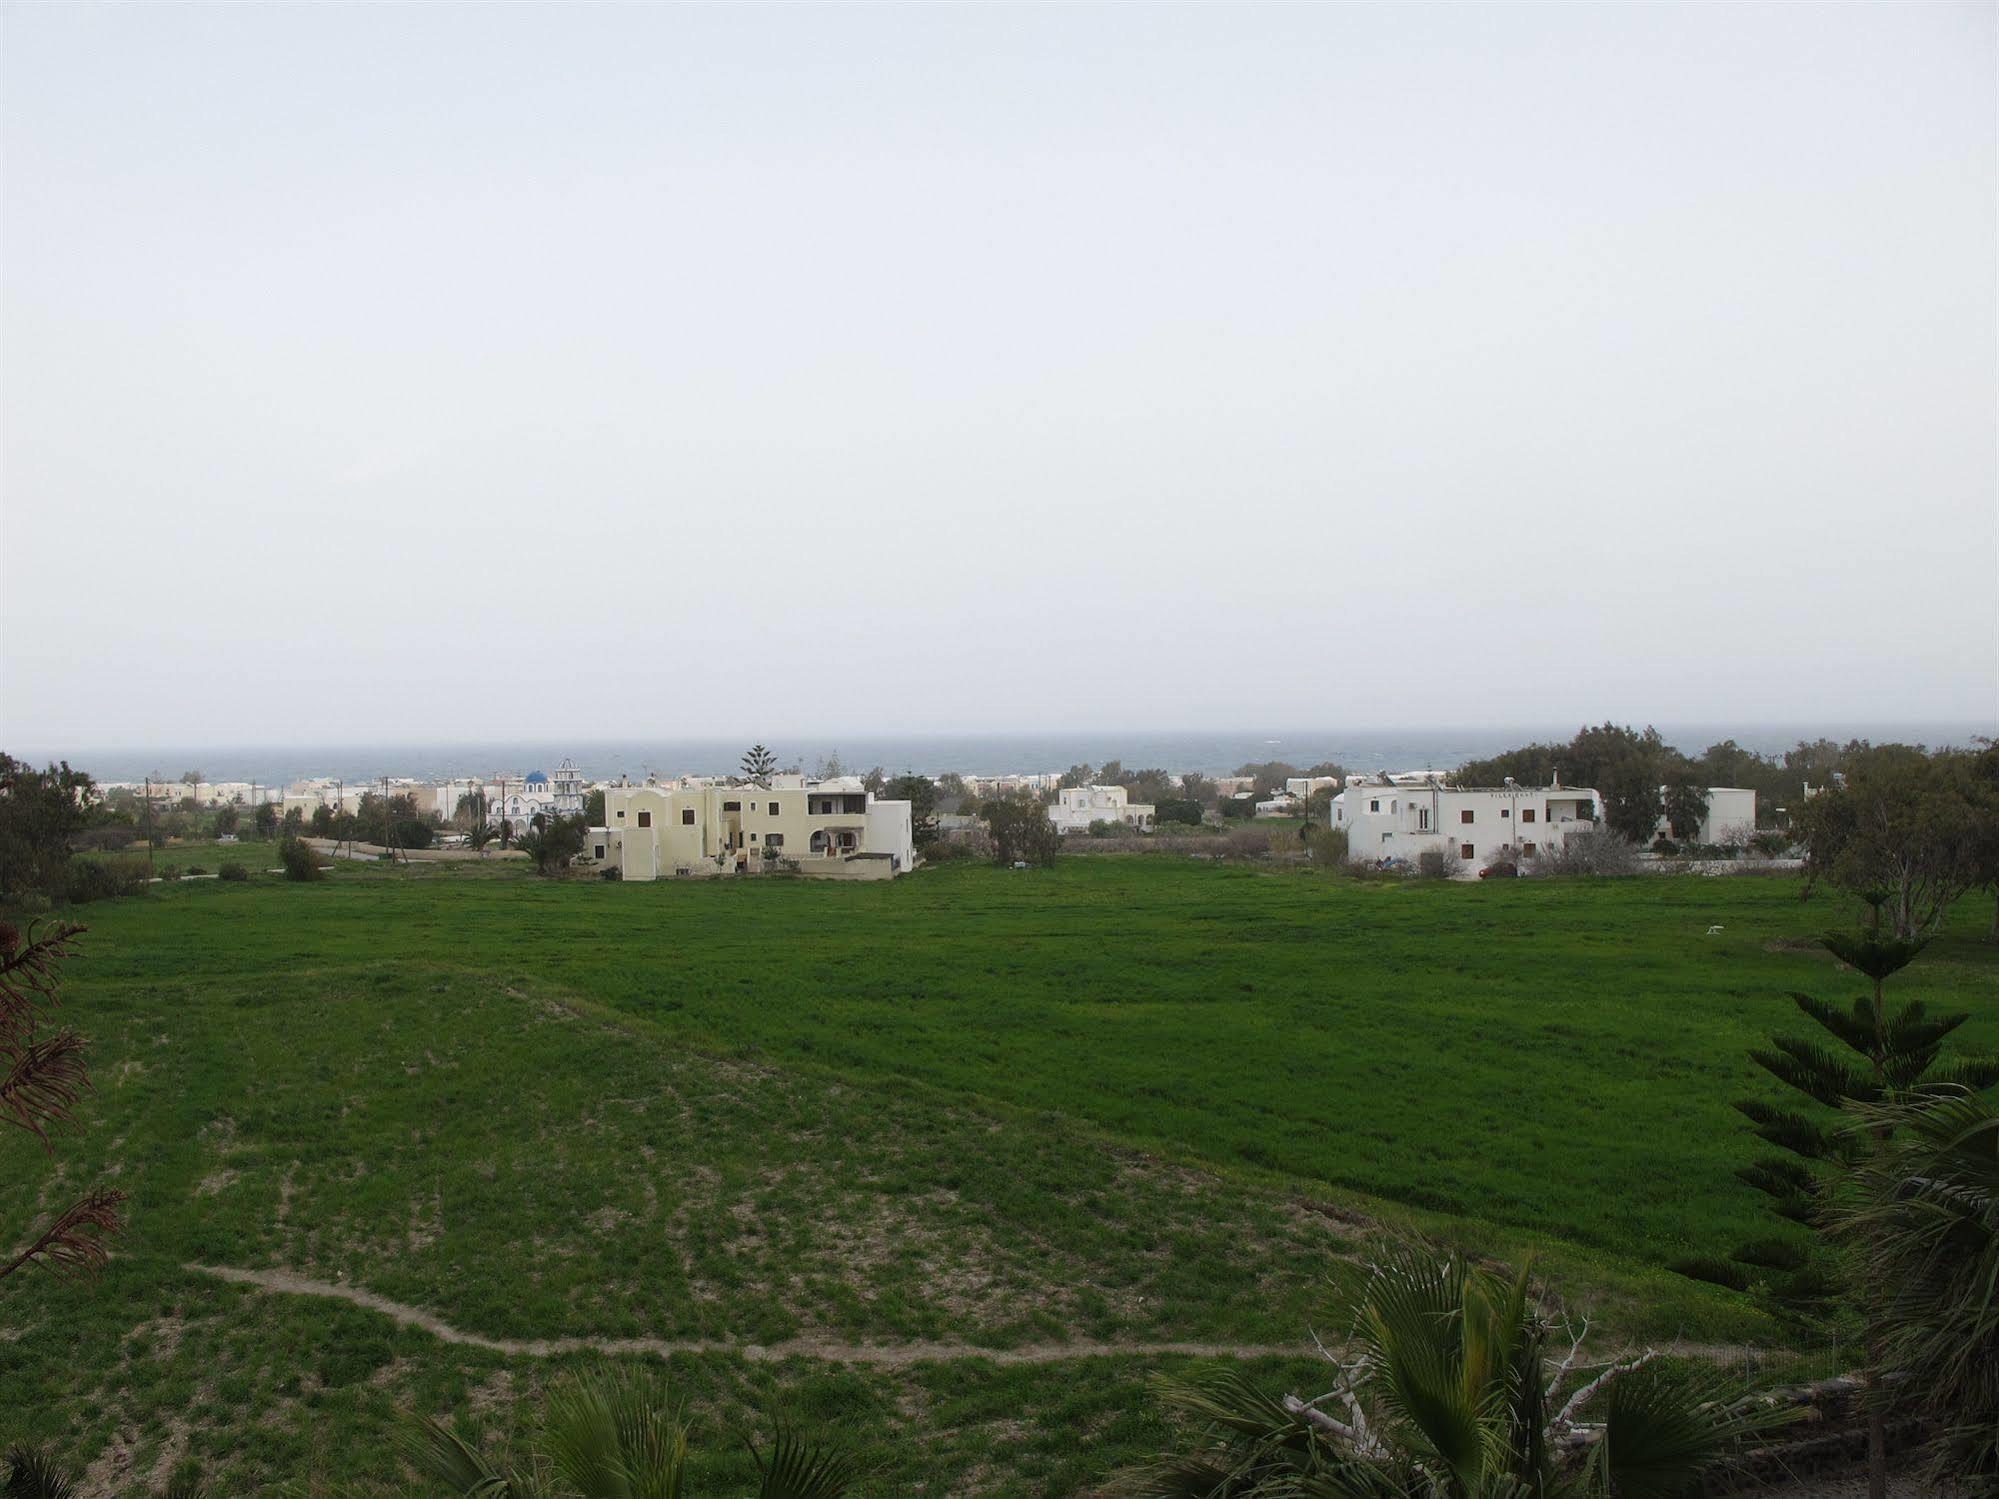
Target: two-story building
(1076,807)
(833,828)
(1400,818)
(1730,816)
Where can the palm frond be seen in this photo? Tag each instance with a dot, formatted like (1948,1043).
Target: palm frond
(797,1469)
(43,1082)
(439,1454)
(33,1473)
(614,1435)
(1663,1427)
(73,1244)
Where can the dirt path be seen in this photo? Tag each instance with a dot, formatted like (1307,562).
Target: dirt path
(880,1355)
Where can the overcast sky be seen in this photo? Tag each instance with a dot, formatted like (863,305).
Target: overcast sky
(448,371)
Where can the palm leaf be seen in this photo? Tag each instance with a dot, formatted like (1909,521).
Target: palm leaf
(797,1469)
(33,1474)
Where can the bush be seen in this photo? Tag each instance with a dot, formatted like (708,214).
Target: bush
(611,873)
(1328,845)
(1183,810)
(104,879)
(1593,851)
(1664,845)
(1439,863)
(232,871)
(300,862)
(1770,845)
(194,869)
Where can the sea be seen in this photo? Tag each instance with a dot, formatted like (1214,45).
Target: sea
(1211,752)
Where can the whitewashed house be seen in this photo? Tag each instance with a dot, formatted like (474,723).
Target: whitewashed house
(1730,816)
(1396,818)
(1076,807)
(834,828)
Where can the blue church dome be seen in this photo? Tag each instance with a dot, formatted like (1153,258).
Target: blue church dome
(536,778)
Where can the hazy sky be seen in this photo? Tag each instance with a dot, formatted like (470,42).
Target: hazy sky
(456,371)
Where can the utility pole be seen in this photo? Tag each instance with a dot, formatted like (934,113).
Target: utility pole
(149,827)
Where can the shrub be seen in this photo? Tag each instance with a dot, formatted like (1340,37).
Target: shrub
(1328,845)
(1769,845)
(1591,851)
(611,873)
(300,862)
(1184,810)
(1439,863)
(104,879)
(193,869)
(1664,845)
(168,872)
(232,871)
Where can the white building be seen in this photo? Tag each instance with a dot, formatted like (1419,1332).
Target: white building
(834,828)
(538,794)
(1396,819)
(1076,807)
(1730,816)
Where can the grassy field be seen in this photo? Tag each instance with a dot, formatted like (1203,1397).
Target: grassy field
(1126,1103)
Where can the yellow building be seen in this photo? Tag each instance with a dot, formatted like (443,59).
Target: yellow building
(834,827)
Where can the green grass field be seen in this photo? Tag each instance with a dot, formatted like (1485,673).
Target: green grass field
(1128,1102)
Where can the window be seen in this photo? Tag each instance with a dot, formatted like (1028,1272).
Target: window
(1422,819)
(773,840)
(687,817)
(1467,815)
(1375,805)
(1465,851)
(1504,813)
(1526,814)
(621,814)
(732,806)
(753,837)
(645,819)
(753,806)
(600,851)
(1527,849)
(773,809)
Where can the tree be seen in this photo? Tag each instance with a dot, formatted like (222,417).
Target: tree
(1899,1055)
(759,765)
(1269,776)
(1153,786)
(265,819)
(1021,831)
(300,862)
(192,780)
(226,819)
(829,767)
(471,811)
(1453,1392)
(479,836)
(45,1078)
(1683,803)
(614,1434)
(552,842)
(1922,1216)
(1913,826)
(875,780)
(40,811)
(1078,775)
(1178,809)
(921,794)
(1198,789)
(593,808)
(323,822)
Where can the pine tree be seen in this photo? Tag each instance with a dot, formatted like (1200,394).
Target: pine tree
(759,764)
(1900,1058)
